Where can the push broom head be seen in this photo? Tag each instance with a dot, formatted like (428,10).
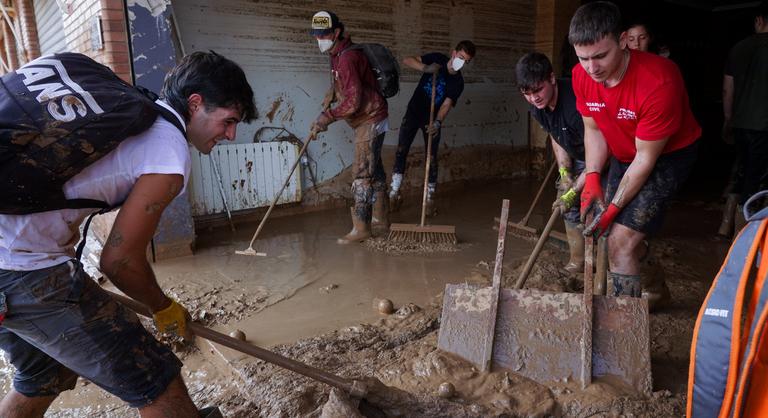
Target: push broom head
(427,234)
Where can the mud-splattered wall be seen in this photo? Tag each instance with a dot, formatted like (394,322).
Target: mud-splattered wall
(270,40)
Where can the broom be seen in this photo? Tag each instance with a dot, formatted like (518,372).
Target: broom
(421,233)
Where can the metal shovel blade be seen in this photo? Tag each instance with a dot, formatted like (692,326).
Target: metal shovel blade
(538,334)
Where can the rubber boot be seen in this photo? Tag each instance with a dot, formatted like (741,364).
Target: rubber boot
(361,230)
(576,248)
(625,284)
(380,217)
(654,286)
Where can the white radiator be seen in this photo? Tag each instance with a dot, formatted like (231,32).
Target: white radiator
(251,176)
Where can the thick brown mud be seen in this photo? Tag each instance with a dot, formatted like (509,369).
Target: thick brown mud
(313,301)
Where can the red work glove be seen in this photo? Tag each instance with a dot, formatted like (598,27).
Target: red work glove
(591,194)
(602,222)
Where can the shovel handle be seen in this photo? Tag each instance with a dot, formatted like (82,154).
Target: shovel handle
(537,249)
(544,183)
(355,388)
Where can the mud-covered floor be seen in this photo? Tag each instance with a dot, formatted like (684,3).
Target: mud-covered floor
(312,300)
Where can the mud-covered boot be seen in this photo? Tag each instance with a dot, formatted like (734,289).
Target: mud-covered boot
(576,248)
(380,216)
(361,230)
(654,286)
(625,284)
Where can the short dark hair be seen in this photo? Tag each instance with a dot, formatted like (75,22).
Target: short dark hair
(594,21)
(466,46)
(531,69)
(762,10)
(219,81)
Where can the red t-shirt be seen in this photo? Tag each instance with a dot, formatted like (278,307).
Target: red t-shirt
(650,103)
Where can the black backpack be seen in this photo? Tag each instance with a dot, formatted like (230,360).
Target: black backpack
(384,66)
(59,114)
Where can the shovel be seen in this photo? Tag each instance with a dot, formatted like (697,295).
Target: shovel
(545,336)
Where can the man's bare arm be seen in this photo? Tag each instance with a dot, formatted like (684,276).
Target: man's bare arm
(124,257)
(648,153)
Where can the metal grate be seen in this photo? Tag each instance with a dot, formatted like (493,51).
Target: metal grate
(251,175)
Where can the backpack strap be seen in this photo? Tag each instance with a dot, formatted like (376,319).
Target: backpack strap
(755,341)
(715,350)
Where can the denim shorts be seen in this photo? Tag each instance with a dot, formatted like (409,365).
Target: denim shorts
(60,324)
(645,213)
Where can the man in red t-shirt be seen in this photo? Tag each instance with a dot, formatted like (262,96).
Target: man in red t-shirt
(636,114)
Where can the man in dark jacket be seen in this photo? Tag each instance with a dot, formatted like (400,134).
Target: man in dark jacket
(359,103)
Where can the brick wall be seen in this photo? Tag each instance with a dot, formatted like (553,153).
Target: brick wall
(77,27)
(26,15)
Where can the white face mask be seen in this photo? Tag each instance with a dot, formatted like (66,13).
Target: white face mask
(325,44)
(457,63)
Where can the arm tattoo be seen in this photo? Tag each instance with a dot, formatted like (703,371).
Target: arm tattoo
(115,239)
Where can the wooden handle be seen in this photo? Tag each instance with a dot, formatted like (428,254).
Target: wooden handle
(544,183)
(537,249)
(429,151)
(285,183)
(352,387)
(490,330)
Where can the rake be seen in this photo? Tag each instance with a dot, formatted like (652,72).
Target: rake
(422,233)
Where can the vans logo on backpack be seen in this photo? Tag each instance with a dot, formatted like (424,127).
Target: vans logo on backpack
(66,99)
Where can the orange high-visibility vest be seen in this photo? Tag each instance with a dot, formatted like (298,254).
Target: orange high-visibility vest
(728,375)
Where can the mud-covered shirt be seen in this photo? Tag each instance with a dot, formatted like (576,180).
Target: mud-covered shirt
(564,123)
(448,85)
(748,65)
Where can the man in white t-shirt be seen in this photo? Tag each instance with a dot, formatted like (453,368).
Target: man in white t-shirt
(59,323)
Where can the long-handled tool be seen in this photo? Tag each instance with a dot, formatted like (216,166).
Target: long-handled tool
(250,250)
(355,388)
(221,191)
(421,232)
(526,271)
(521,228)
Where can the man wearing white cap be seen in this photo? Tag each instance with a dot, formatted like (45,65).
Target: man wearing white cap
(358,101)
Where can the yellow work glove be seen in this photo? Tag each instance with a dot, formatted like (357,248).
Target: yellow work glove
(566,201)
(172,319)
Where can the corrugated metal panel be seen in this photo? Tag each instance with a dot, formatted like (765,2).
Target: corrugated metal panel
(251,176)
(50,27)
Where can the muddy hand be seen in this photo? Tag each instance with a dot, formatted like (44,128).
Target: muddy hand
(433,129)
(602,221)
(432,68)
(566,179)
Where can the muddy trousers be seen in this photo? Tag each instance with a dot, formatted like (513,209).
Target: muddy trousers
(408,130)
(367,171)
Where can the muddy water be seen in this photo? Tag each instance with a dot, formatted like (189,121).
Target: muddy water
(312,285)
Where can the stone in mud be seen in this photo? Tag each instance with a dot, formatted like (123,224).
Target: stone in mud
(240,335)
(339,406)
(385,306)
(446,390)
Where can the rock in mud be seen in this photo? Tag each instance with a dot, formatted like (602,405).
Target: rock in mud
(339,405)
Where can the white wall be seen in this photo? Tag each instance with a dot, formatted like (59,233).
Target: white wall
(289,75)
